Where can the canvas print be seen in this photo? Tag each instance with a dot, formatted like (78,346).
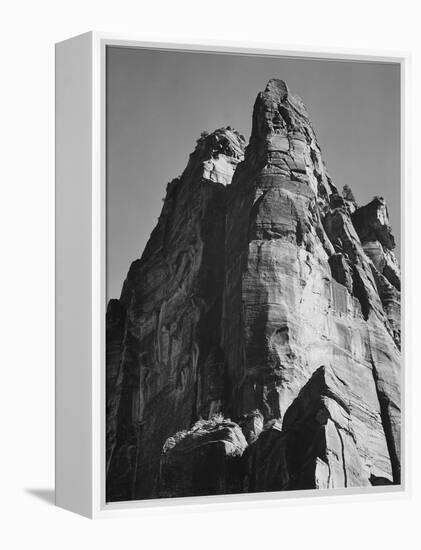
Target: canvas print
(253,317)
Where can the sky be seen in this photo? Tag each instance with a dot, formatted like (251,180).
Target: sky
(159,102)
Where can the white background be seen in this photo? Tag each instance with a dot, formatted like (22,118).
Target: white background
(29,31)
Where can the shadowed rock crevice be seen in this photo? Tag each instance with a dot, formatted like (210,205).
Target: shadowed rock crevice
(360,292)
(386,408)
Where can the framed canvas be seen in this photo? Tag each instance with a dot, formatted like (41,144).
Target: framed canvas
(230,246)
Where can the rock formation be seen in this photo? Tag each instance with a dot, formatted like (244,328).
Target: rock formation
(255,345)
(169,370)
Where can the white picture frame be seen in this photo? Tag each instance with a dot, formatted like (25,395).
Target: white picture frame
(80,276)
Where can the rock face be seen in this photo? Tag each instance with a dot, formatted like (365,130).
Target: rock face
(169,367)
(266,297)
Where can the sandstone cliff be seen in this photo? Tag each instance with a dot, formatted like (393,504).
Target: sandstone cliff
(255,345)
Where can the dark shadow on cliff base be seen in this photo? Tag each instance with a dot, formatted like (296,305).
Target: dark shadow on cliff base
(47,495)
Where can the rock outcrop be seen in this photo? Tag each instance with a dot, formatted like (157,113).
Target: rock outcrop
(264,296)
(170,367)
(203,460)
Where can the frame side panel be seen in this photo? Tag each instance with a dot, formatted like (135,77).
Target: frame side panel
(73,408)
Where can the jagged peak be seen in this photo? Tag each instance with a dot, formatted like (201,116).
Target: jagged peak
(225,140)
(278,92)
(218,154)
(277,88)
(277,110)
(372,223)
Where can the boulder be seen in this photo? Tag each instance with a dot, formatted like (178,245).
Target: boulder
(205,460)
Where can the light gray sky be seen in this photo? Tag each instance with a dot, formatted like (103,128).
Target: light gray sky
(158,103)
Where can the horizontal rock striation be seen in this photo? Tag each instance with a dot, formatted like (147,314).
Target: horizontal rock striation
(267,297)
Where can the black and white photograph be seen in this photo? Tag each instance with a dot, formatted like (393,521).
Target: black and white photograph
(210,275)
(252,274)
